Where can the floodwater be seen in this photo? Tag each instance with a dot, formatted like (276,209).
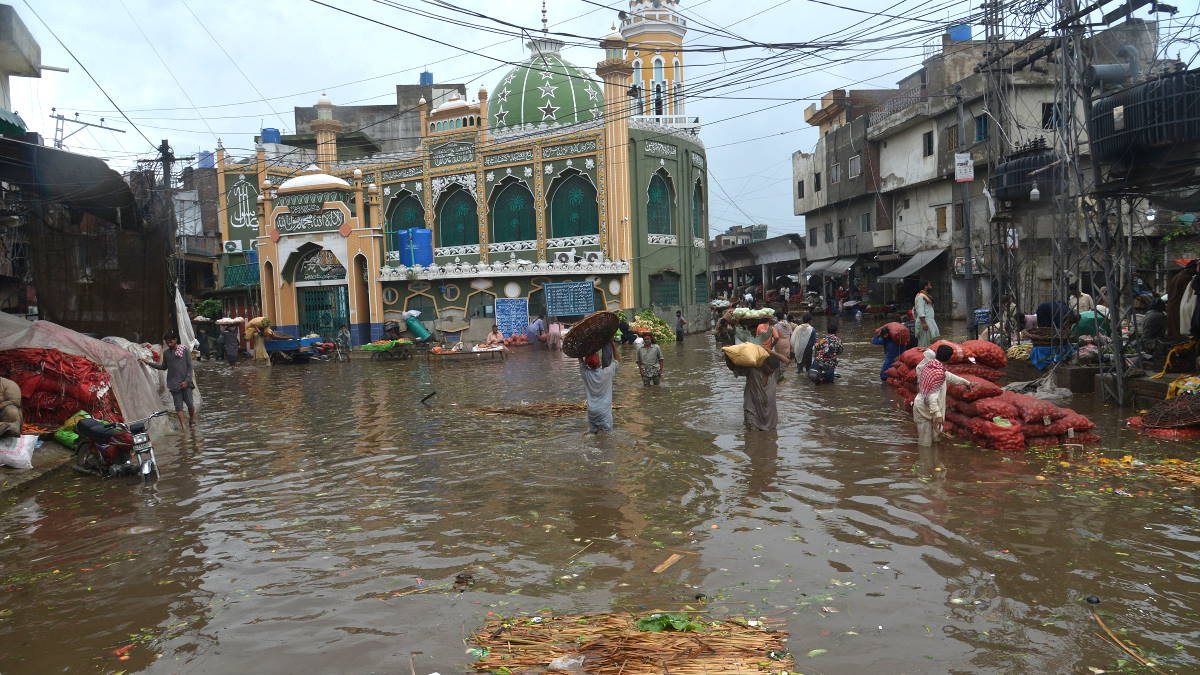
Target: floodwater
(288,535)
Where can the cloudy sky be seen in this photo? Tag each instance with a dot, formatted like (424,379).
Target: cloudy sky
(192,71)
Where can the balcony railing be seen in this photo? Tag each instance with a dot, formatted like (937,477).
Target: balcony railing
(241,275)
(200,245)
(848,245)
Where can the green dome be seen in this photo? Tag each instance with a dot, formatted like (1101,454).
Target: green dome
(544,89)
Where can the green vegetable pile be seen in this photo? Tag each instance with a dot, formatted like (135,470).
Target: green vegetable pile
(657,623)
(647,320)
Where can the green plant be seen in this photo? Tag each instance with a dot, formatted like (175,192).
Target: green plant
(657,623)
(210,309)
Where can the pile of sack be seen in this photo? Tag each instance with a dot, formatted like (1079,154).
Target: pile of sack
(55,385)
(986,414)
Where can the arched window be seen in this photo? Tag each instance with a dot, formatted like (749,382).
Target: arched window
(457,222)
(573,208)
(658,99)
(698,229)
(406,213)
(512,217)
(677,72)
(658,70)
(660,204)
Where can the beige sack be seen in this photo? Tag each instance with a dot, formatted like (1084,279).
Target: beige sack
(747,354)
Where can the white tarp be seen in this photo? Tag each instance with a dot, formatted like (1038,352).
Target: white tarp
(136,395)
(187,336)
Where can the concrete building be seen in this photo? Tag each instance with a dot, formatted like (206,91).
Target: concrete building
(878,192)
(372,130)
(764,265)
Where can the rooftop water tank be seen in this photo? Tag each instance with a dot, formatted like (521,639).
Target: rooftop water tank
(416,247)
(270,135)
(205,160)
(960,33)
(426,77)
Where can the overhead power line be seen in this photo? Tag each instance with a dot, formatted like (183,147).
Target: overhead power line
(89,73)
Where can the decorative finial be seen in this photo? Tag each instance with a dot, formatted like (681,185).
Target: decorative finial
(545,25)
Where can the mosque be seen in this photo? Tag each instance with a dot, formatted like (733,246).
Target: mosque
(571,190)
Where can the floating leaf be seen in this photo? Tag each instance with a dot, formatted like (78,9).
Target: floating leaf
(816,652)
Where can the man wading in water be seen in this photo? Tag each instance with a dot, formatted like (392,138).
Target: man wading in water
(597,371)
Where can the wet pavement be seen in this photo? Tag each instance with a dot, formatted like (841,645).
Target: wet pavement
(318,517)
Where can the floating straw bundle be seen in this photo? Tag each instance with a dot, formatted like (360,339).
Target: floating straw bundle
(612,645)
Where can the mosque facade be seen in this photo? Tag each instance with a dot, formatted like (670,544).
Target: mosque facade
(554,183)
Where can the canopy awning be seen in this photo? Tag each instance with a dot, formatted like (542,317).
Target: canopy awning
(815,268)
(839,267)
(913,265)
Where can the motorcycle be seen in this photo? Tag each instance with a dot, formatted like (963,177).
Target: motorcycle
(109,449)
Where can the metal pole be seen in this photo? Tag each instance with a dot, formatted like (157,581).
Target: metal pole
(965,191)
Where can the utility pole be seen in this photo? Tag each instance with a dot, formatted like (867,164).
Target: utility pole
(964,187)
(60,129)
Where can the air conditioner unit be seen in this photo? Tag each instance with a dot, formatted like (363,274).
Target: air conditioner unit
(594,256)
(232,247)
(563,257)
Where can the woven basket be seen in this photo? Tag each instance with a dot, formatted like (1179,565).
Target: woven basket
(590,334)
(1048,336)
(1181,411)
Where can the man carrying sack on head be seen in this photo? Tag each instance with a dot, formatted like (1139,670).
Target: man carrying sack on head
(929,408)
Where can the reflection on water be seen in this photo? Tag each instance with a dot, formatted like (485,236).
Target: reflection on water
(319,517)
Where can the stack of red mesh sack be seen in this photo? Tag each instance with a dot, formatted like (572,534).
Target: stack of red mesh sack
(985,413)
(55,385)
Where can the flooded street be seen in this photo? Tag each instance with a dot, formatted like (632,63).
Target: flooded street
(287,536)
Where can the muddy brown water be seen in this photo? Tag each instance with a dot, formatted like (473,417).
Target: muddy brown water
(280,534)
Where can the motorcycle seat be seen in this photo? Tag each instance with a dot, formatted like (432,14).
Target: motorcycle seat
(96,430)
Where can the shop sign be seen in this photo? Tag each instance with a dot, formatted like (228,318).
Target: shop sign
(321,265)
(323,221)
(512,315)
(964,168)
(508,157)
(568,149)
(570,298)
(452,153)
(400,174)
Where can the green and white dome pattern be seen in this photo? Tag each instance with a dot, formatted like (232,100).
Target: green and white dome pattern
(545,90)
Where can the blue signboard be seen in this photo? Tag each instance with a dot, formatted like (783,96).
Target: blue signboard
(570,298)
(512,315)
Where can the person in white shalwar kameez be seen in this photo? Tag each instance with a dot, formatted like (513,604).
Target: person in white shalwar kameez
(929,408)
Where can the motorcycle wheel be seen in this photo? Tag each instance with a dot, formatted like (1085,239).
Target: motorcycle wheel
(88,460)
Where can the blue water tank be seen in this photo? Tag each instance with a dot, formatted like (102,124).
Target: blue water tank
(416,247)
(252,257)
(270,135)
(206,160)
(960,33)
(426,77)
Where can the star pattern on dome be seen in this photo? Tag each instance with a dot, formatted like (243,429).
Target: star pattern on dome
(510,78)
(548,111)
(501,113)
(502,95)
(547,90)
(592,92)
(548,74)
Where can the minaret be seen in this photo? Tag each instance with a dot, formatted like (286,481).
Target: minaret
(617,74)
(326,128)
(654,30)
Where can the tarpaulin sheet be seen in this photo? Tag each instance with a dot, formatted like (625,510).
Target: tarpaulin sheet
(136,396)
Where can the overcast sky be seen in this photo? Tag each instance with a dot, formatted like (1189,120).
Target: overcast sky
(159,63)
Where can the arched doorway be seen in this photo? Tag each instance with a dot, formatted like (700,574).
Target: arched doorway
(362,300)
(322,297)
